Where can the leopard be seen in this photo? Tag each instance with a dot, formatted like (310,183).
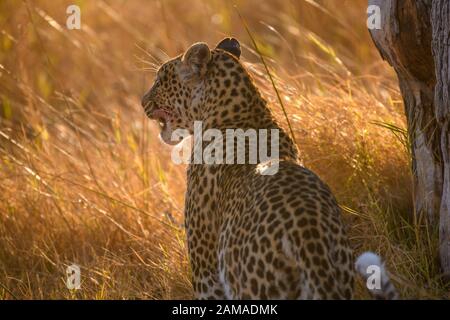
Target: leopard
(251,235)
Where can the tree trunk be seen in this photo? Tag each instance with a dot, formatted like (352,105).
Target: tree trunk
(415,39)
(440,20)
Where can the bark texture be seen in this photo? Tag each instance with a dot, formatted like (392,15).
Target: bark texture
(440,20)
(414,38)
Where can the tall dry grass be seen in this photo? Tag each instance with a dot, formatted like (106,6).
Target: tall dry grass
(84,178)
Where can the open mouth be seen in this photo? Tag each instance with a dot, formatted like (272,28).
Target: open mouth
(162,116)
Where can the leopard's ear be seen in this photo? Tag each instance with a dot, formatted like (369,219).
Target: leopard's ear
(195,61)
(230,45)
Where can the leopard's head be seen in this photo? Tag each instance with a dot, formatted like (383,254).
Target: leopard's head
(176,97)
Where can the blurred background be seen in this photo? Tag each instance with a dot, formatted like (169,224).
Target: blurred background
(85,180)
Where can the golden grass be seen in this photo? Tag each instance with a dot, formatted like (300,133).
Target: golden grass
(85,180)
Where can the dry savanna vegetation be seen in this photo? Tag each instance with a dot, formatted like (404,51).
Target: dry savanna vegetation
(84,178)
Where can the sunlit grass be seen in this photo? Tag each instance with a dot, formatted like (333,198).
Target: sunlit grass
(85,179)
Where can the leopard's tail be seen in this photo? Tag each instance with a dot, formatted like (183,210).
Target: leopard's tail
(373,270)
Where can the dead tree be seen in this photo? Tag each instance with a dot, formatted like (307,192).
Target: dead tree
(414,37)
